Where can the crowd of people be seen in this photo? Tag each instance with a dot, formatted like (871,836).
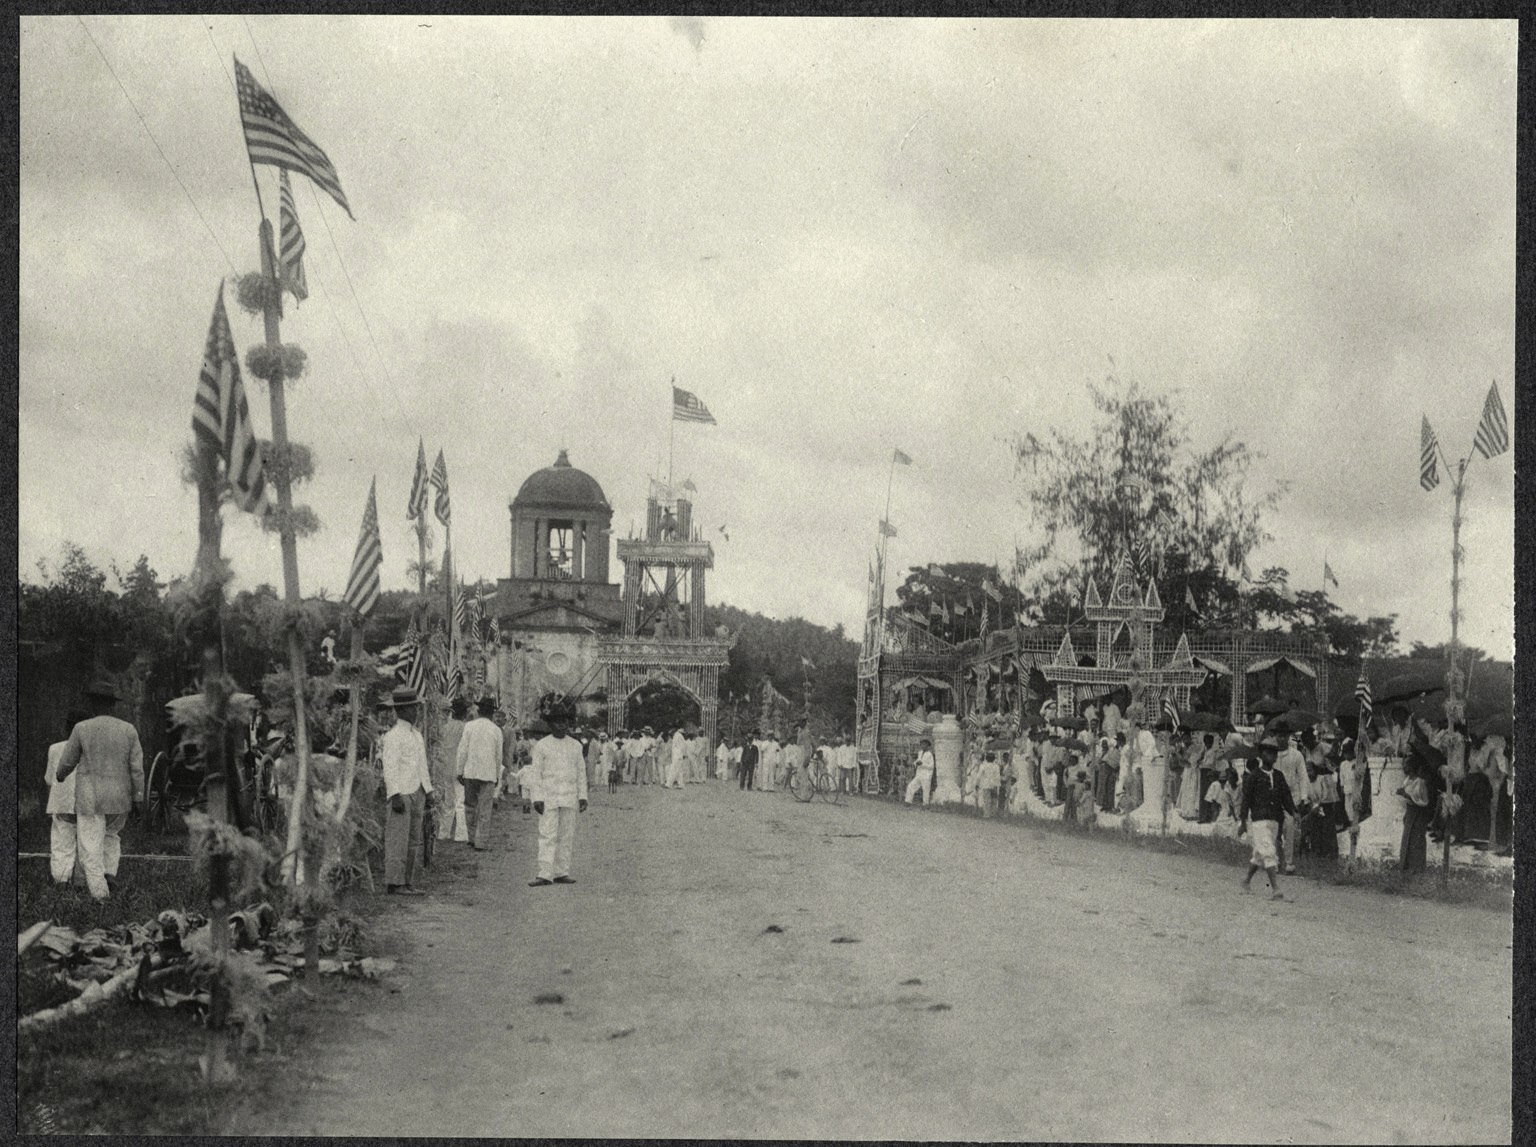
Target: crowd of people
(1095,764)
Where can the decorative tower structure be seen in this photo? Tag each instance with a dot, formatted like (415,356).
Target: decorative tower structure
(663,638)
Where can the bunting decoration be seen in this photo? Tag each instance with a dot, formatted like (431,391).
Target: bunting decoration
(1171,711)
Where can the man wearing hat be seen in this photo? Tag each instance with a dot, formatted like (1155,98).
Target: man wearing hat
(1292,765)
(407,781)
(478,765)
(1266,798)
(109,783)
(922,778)
(559,793)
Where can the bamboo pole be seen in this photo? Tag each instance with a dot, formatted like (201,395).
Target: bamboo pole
(349,775)
(1454,710)
(282,479)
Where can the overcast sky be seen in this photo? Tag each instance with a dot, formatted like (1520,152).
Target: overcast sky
(843,235)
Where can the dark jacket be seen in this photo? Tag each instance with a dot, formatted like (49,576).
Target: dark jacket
(1265,796)
(749,755)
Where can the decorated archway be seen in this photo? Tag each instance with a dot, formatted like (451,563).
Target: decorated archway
(662,701)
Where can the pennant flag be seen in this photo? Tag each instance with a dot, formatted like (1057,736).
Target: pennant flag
(1328,574)
(440,482)
(935,608)
(900,457)
(418,503)
(221,417)
(991,590)
(944,612)
(1171,711)
(686,407)
(290,261)
(1429,447)
(886,529)
(363,582)
(723,534)
(970,604)
(689,486)
(1493,430)
(272,138)
(1363,695)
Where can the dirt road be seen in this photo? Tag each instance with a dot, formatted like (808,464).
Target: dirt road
(1002,983)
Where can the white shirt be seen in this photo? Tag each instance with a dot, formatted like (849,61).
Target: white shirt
(925,762)
(61,794)
(1146,748)
(559,772)
(847,757)
(989,775)
(636,747)
(479,752)
(404,754)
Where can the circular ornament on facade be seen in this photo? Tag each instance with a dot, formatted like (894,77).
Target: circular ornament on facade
(558,663)
(1126,594)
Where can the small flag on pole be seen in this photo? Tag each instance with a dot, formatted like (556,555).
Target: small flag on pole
(1363,695)
(1328,574)
(272,138)
(723,534)
(1429,447)
(689,486)
(440,482)
(806,663)
(1189,601)
(363,582)
(900,457)
(1493,430)
(991,590)
(221,417)
(686,407)
(460,609)
(291,241)
(1171,711)
(886,529)
(418,503)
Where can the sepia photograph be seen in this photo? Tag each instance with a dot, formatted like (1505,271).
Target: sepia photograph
(842,577)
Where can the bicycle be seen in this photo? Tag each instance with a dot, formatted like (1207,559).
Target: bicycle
(828,787)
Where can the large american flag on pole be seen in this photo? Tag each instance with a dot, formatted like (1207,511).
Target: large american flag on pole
(290,255)
(1429,449)
(686,407)
(363,582)
(441,507)
(418,503)
(272,138)
(1363,695)
(1493,429)
(221,417)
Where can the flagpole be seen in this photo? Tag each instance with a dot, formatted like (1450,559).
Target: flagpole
(282,479)
(1454,710)
(260,206)
(671,435)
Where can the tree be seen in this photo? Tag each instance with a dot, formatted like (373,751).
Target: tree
(1442,652)
(1136,483)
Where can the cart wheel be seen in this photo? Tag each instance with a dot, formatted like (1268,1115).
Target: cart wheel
(157,797)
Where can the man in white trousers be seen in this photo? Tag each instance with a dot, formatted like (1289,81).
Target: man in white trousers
(559,793)
(677,763)
(922,779)
(478,767)
(451,819)
(110,783)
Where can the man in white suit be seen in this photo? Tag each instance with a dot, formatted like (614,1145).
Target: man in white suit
(559,793)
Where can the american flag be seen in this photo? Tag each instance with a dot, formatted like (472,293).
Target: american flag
(363,582)
(440,483)
(1363,695)
(417,506)
(1048,708)
(221,417)
(411,661)
(272,138)
(1429,446)
(291,253)
(1171,711)
(495,631)
(686,407)
(1493,430)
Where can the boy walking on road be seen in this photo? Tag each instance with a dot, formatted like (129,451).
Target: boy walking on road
(1266,798)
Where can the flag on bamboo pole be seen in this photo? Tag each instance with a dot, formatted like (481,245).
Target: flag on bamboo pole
(1171,711)
(1189,601)
(460,608)
(686,407)
(221,417)
(989,588)
(1363,695)
(272,138)
(1493,429)
(440,482)
(807,664)
(1328,574)
(417,506)
(363,582)
(411,661)
(290,260)
(900,457)
(1429,448)
(496,631)
(886,529)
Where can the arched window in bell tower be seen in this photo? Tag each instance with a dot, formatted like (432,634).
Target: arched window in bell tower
(561,555)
